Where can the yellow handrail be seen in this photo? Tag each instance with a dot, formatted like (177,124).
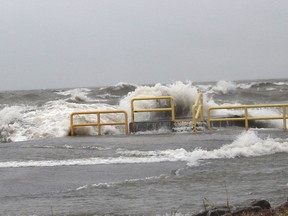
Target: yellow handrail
(246,118)
(197,111)
(98,123)
(171,108)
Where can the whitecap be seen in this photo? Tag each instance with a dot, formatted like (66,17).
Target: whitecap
(248,144)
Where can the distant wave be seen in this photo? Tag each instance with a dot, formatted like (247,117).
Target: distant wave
(263,84)
(224,87)
(118,89)
(76,95)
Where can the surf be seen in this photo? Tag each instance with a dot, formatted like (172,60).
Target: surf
(247,144)
(45,114)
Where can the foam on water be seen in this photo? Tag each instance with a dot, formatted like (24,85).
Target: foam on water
(255,112)
(280,83)
(78,94)
(246,85)
(126,182)
(184,94)
(22,122)
(248,144)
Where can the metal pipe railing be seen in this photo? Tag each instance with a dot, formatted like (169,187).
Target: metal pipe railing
(171,108)
(197,111)
(246,116)
(99,124)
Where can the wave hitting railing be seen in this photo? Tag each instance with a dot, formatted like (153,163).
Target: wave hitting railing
(197,114)
(161,109)
(98,122)
(246,116)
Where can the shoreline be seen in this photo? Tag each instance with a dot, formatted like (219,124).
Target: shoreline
(260,207)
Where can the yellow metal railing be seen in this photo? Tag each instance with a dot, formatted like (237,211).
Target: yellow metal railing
(197,111)
(98,123)
(163,109)
(246,117)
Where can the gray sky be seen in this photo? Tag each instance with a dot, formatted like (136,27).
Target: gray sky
(86,43)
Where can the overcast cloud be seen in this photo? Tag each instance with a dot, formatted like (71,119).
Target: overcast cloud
(86,43)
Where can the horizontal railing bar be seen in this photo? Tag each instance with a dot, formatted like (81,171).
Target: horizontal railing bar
(265,118)
(246,116)
(156,98)
(227,119)
(98,122)
(101,124)
(249,106)
(96,112)
(153,110)
(249,118)
(82,125)
(183,120)
(152,98)
(113,123)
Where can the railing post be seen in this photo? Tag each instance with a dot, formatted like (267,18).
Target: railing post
(202,108)
(284,117)
(246,118)
(208,120)
(172,109)
(197,111)
(126,123)
(71,125)
(132,111)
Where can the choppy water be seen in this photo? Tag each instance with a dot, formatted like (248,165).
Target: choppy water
(46,172)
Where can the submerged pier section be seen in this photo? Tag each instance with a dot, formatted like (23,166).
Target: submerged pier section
(166,106)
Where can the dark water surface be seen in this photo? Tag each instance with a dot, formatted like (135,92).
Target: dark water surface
(43,171)
(141,174)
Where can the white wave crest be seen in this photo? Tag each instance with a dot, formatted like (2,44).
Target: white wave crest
(78,94)
(224,87)
(21,123)
(248,144)
(184,94)
(246,85)
(123,84)
(280,83)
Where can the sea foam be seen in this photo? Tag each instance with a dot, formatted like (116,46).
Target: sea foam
(50,119)
(247,144)
(184,95)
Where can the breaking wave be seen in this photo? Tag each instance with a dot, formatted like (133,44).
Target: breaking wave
(47,114)
(224,87)
(247,144)
(184,94)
